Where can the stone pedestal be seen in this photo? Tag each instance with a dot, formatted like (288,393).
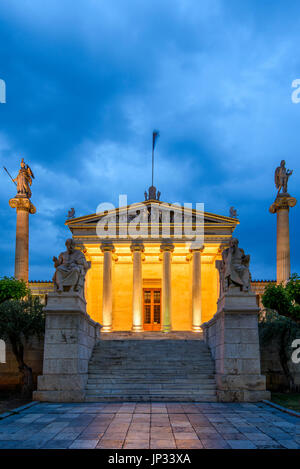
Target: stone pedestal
(281,206)
(23,206)
(232,335)
(70,337)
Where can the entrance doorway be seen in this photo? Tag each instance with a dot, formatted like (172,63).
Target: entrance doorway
(152,309)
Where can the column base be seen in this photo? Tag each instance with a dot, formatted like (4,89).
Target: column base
(196,328)
(137,329)
(106,329)
(166,329)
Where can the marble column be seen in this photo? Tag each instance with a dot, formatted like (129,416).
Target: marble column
(196,290)
(107,249)
(137,291)
(281,207)
(23,206)
(166,249)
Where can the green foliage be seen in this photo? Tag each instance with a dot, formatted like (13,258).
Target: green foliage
(12,289)
(282,331)
(285,300)
(20,319)
(274,326)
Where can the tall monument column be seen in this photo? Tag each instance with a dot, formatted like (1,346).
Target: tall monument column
(166,249)
(137,292)
(21,202)
(281,207)
(107,249)
(196,290)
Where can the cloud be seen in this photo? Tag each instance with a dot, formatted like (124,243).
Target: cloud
(87,82)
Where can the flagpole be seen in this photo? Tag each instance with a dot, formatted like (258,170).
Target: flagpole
(152,163)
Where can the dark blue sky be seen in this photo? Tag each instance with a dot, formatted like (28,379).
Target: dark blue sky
(88,80)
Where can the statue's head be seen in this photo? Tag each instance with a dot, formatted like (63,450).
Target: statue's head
(23,163)
(70,244)
(233,242)
(282,164)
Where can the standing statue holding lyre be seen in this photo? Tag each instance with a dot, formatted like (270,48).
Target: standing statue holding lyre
(281,177)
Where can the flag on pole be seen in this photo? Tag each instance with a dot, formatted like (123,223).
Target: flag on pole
(155,137)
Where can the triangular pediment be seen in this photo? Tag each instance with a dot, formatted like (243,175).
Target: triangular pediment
(154,211)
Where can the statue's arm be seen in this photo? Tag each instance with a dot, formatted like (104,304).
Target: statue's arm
(58,261)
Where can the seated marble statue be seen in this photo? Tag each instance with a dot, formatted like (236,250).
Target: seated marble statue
(234,268)
(71,268)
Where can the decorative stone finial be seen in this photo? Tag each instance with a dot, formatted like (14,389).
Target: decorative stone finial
(151,195)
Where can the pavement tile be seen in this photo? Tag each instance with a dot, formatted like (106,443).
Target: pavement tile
(188,444)
(185,436)
(84,444)
(110,444)
(162,444)
(241,444)
(215,444)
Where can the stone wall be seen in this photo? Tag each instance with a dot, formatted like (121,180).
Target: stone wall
(10,377)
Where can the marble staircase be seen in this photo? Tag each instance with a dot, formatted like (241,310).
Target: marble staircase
(151,367)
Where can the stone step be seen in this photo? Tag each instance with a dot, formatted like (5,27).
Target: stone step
(144,398)
(124,379)
(151,370)
(165,392)
(152,386)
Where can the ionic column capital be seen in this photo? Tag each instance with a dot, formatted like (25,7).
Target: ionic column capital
(282,202)
(137,247)
(107,247)
(167,246)
(22,203)
(197,249)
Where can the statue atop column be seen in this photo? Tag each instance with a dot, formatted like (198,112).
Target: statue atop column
(234,268)
(71,268)
(282,177)
(281,206)
(24,180)
(23,205)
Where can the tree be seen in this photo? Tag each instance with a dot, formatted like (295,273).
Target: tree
(281,320)
(273,327)
(284,299)
(11,288)
(21,319)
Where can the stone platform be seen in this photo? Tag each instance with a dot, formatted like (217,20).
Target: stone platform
(155,426)
(172,335)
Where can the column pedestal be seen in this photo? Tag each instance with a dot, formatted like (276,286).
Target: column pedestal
(107,249)
(24,207)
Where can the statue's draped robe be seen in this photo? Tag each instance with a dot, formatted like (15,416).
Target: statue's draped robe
(71,270)
(23,182)
(235,268)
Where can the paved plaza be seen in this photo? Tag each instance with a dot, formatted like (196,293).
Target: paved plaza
(156,425)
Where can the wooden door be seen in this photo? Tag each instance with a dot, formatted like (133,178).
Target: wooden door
(152,309)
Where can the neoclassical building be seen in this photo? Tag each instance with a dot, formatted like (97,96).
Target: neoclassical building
(155,279)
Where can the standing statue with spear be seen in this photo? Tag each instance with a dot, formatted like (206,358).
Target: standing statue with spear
(23,181)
